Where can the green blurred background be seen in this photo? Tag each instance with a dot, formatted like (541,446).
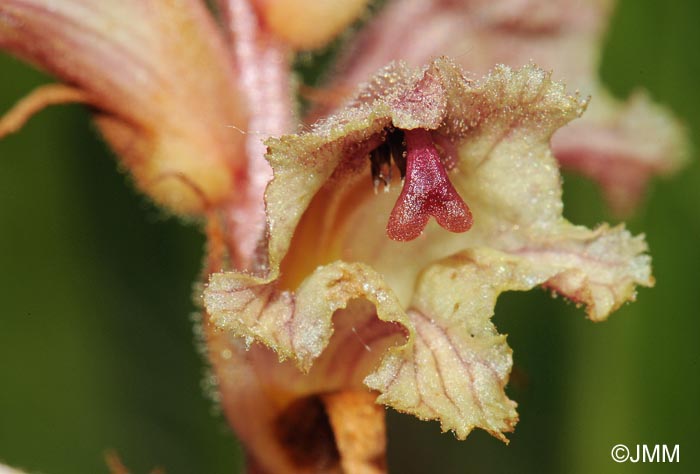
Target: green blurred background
(96,341)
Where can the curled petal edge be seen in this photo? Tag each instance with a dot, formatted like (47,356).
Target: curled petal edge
(299,326)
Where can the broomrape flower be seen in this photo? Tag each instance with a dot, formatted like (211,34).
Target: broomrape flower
(360,288)
(355,264)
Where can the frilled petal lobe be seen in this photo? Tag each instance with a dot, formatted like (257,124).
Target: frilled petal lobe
(160,79)
(619,144)
(283,414)
(328,250)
